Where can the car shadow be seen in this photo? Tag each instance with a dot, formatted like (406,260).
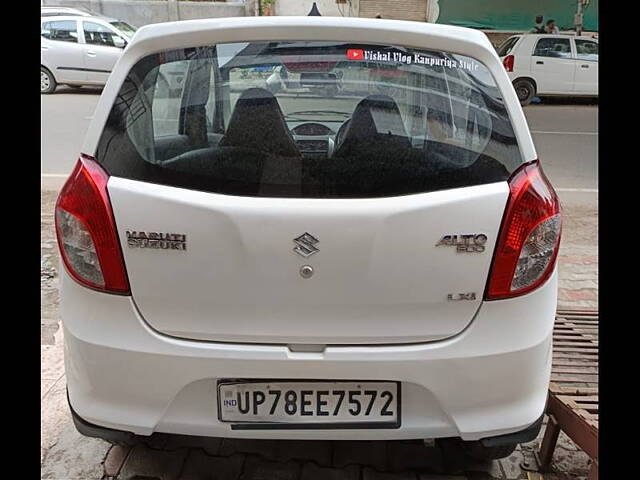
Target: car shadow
(589,101)
(64,89)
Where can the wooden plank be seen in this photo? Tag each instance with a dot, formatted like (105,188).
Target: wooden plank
(575,362)
(571,390)
(580,398)
(574,338)
(574,356)
(576,369)
(574,378)
(586,350)
(549,441)
(577,343)
(593,471)
(584,434)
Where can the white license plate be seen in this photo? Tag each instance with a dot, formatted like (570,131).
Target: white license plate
(332,404)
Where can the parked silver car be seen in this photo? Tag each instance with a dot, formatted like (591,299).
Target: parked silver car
(80,50)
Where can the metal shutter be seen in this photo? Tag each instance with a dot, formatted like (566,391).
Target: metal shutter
(395,9)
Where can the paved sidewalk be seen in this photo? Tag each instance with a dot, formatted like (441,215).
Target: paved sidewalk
(66,455)
(578,259)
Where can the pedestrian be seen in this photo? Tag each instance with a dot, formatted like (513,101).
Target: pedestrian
(538,27)
(551,27)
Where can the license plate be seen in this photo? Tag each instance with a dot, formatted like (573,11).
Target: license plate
(327,404)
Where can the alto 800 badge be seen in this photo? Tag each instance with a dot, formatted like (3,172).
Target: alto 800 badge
(470,243)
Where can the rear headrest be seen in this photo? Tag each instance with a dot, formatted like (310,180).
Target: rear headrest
(257,123)
(376,115)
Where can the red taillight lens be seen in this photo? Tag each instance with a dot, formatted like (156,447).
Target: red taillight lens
(529,237)
(508,63)
(86,230)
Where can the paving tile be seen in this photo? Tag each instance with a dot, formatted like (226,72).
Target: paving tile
(414,456)
(366,453)
(311,471)
(64,453)
(490,467)
(317,451)
(256,468)
(115,459)
(262,448)
(145,462)
(200,466)
(370,474)
(211,445)
(511,465)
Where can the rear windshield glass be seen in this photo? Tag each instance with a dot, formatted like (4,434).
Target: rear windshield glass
(125,28)
(309,119)
(507,46)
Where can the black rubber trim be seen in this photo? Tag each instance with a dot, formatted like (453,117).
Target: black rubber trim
(111,435)
(523,436)
(83,69)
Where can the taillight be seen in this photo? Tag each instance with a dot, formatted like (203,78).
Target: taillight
(508,63)
(86,230)
(527,247)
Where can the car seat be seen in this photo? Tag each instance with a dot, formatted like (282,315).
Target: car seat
(257,122)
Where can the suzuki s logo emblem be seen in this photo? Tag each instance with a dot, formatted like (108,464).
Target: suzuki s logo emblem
(305,245)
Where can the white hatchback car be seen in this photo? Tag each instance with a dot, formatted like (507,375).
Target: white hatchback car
(80,50)
(547,65)
(244,263)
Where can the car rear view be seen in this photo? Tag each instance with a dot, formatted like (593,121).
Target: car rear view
(333,229)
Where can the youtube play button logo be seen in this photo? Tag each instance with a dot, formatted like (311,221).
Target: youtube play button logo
(355,54)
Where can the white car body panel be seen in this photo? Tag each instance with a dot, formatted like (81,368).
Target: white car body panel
(122,374)
(554,76)
(99,60)
(586,76)
(470,369)
(238,280)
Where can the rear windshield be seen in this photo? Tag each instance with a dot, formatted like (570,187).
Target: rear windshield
(507,46)
(309,119)
(124,28)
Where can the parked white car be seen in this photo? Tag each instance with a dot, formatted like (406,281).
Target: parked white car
(80,50)
(546,65)
(255,264)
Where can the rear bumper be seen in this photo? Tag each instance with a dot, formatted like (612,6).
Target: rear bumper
(488,381)
(128,438)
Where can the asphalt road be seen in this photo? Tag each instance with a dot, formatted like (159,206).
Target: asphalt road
(565,133)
